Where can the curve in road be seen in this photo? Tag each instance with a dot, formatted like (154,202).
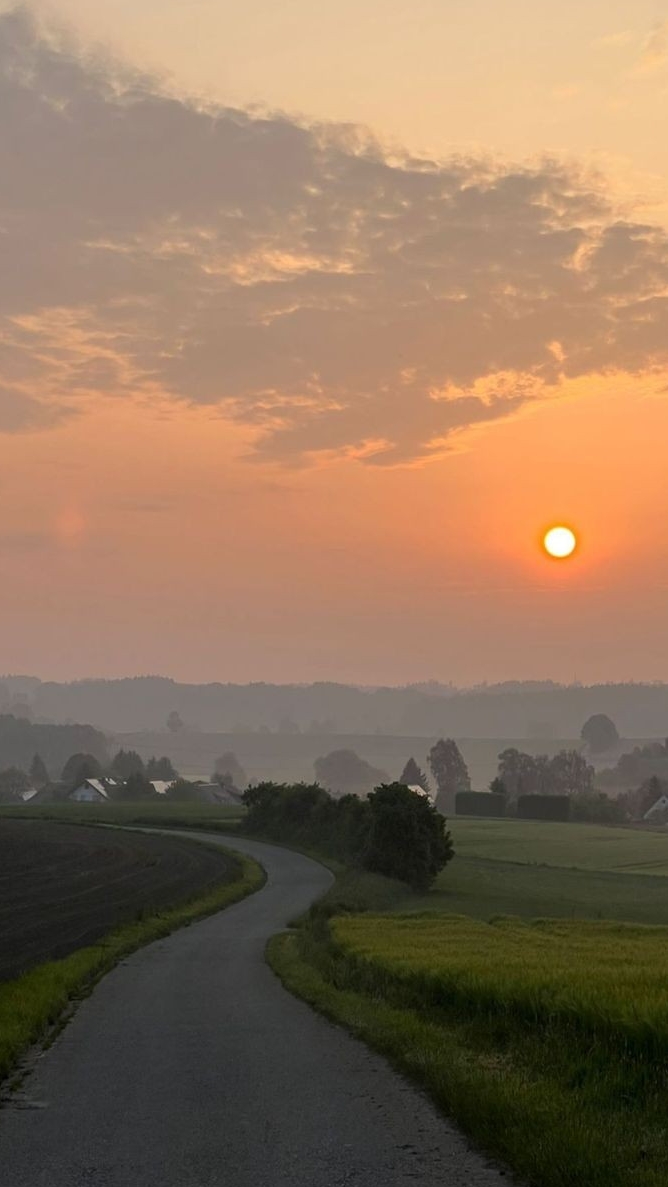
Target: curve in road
(191,1066)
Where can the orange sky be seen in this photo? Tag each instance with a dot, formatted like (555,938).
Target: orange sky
(254,429)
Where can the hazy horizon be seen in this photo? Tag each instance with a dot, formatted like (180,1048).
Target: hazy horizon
(293,397)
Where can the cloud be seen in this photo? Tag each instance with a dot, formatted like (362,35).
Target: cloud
(20,413)
(336,299)
(655,50)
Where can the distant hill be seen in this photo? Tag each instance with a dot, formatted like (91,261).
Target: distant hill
(512,710)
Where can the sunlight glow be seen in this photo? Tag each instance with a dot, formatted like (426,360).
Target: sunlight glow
(560,542)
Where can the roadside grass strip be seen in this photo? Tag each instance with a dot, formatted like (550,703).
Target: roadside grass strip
(32,1005)
(546,1041)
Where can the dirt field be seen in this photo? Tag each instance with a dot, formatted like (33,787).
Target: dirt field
(63,887)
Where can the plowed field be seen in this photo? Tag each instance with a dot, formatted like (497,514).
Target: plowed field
(63,887)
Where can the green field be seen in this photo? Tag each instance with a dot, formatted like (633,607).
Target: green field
(547,1041)
(513,993)
(581,846)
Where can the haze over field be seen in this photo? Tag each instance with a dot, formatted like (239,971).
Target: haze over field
(282,399)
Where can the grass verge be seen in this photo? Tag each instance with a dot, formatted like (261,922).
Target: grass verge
(31,1005)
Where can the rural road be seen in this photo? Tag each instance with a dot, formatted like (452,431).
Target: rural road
(191,1066)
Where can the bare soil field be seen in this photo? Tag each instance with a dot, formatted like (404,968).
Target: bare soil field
(64,886)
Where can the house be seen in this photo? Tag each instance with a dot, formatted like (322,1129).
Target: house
(418,790)
(660,808)
(161,786)
(94,791)
(29,795)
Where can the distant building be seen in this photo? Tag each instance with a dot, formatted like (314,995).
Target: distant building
(418,790)
(216,793)
(161,786)
(29,795)
(94,791)
(660,808)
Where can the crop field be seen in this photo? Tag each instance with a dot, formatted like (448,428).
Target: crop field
(601,979)
(581,846)
(547,1041)
(62,887)
(149,814)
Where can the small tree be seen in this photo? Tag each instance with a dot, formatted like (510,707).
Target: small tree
(136,787)
(39,776)
(182,791)
(600,733)
(174,722)
(13,782)
(407,838)
(229,772)
(412,776)
(344,773)
(450,773)
(127,763)
(80,767)
(161,769)
(498,787)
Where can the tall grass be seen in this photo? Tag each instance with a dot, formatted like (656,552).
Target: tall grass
(547,1041)
(602,980)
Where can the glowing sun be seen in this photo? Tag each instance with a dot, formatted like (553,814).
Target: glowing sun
(560,542)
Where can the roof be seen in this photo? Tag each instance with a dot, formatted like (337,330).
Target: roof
(418,790)
(161,785)
(99,785)
(659,806)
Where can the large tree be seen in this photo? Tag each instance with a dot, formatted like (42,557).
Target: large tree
(600,733)
(406,838)
(450,773)
(571,774)
(127,763)
(80,767)
(161,769)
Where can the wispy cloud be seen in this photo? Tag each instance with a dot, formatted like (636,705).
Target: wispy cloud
(336,300)
(655,49)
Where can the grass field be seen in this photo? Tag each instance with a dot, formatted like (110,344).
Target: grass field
(581,846)
(513,993)
(546,1041)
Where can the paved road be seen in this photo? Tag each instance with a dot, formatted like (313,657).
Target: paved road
(191,1066)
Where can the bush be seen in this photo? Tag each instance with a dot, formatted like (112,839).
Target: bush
(479,803)
(544,807)
(395,831)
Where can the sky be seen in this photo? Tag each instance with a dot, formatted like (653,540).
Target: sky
(313,319)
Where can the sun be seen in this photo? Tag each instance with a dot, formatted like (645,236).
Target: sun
(560,542)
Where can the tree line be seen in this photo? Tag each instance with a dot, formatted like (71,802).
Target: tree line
(393,831)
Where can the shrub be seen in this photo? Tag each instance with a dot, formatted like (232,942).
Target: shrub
(544,807)
(395,831)
(480,803)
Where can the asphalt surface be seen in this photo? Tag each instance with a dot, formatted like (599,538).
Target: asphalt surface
(191,1066)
